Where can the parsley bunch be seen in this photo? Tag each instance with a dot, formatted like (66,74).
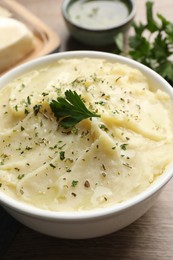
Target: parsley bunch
(152,43)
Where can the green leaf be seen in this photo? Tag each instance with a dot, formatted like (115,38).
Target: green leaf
(152,25)
(167,26)
(160,48)
(164,21)
(166,70)
(70,110)
(169,31)
(140,46)
(152,43)
(139,28)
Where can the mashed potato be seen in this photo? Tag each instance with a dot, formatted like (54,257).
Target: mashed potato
(99,162)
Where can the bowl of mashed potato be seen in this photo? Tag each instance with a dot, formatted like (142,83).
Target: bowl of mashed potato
(86,142)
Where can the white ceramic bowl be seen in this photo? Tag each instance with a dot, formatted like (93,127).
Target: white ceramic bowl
(96,222)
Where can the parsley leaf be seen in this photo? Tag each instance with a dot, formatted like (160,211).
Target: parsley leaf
(151,25)
(152,43)
(70,110)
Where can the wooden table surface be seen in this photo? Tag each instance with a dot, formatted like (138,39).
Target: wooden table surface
(150,237)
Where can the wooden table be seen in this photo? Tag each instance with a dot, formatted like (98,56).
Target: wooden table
(150,237)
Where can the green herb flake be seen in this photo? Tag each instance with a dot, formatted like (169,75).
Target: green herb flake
(103,166)
(17,169)
(62,155)
(16,107)
(44,94)
(20,176)
(28,100)
(53,147)
(74,183)
(123,146)
(127,165)
(26,112)
(117,79)
(28,148)
(52,165)
(103,127)
(36,109)
(102,103)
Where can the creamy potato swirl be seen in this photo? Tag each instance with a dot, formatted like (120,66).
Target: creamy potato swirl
(99,162)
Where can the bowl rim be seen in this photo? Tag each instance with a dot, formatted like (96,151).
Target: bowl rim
(26,209)
(131,15)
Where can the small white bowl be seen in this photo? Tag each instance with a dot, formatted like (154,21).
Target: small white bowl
(96,222)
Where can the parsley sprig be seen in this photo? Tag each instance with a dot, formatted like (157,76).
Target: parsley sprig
(152,43)
(70,110)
